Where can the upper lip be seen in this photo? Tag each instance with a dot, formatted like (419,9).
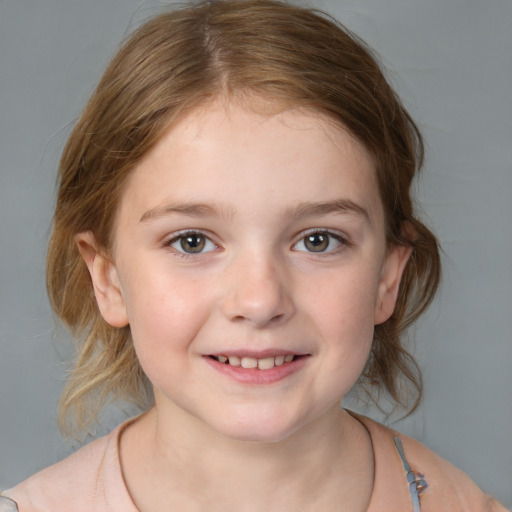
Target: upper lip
(257,354)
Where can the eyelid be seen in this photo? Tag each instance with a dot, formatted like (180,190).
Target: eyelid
(175,237)
(337,235)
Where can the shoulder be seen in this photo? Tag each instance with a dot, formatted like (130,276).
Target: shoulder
(448,488)
(50,487)
(88,480)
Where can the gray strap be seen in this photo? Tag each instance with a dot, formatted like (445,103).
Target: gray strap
(415,482)
(7,505)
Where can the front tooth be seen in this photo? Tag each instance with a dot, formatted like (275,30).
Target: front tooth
(222,359)
(266,364)
(288,358)
(249,362)
(234,360)
(279,360)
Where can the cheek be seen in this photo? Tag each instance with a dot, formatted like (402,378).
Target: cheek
(165,316)
(343,313)
(345,301)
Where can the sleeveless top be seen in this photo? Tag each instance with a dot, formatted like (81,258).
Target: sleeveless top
(90,480)
(415,481)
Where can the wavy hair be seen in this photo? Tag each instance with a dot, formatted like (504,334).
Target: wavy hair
(176,62)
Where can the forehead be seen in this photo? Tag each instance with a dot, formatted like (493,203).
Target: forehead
(224,152)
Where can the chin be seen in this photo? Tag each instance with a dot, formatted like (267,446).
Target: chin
(257,429)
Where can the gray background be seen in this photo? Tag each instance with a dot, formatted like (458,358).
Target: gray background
(451,61)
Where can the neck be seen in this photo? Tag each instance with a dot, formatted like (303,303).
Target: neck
(195,468)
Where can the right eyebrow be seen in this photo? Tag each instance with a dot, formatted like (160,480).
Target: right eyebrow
(345,206)
(188,209)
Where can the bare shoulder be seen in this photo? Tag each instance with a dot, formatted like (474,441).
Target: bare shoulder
(409,468)
(449,488)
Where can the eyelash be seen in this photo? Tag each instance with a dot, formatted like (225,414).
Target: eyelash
(338,238)
(207,242)
(180,237)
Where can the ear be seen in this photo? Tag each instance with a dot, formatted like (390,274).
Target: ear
(105,280)
(389,283)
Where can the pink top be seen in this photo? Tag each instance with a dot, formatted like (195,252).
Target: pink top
(91,480)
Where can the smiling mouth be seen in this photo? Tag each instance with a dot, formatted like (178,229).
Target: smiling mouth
(264,363)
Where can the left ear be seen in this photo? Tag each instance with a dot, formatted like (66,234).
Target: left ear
(387,291)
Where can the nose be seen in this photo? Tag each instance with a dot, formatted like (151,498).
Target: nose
(258,292)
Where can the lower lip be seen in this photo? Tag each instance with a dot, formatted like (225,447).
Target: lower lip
(255,376)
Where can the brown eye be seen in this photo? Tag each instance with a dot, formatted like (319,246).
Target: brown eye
(318,241)
(192,243)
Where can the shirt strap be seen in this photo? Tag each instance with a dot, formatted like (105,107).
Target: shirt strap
(415,481)
(7,505)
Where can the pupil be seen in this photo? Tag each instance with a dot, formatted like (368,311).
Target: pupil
(192,243)
(317,242)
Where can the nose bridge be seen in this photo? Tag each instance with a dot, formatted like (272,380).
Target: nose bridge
(258,289)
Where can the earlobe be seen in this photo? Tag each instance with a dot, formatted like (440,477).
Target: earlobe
(389,284)
(105,280)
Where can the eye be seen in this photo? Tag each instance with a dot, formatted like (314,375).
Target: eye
(319,241)
(192,243)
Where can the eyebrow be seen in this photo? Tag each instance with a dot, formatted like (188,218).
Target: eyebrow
(186,209)
(345,206)
(307,209)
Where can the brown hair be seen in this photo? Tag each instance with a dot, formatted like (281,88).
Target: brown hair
(177,61)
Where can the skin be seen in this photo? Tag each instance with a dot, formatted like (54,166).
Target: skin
(257,285)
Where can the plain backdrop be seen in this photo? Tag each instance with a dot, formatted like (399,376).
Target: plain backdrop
(451,62)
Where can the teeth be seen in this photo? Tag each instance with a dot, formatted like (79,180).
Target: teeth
(266,363)
(234,360)
(279,360)
(249,362)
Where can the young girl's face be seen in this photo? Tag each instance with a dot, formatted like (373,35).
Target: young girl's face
(242,241)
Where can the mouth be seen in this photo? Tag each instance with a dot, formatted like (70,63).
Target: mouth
(257,368)
(262,363)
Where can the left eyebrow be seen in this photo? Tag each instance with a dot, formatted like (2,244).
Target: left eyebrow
(345,206)
(187,209)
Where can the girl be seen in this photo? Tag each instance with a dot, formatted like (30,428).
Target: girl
(235,246)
